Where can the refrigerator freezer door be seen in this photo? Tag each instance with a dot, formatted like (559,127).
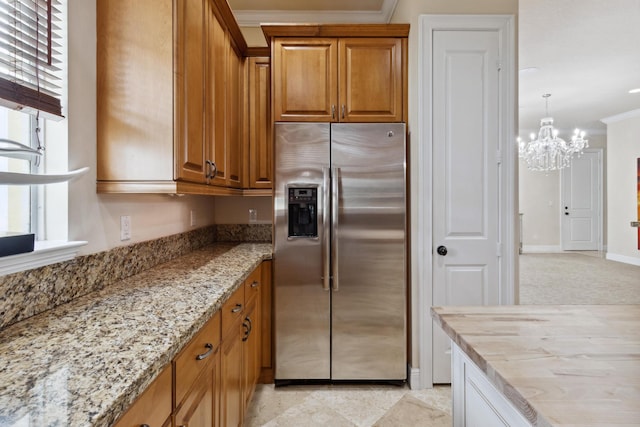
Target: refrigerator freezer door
(369,297)
(302,298)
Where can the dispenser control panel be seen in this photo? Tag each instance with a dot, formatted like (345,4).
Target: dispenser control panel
(303,211)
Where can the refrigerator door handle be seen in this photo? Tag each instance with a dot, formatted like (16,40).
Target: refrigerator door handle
(326,243)
(335,197)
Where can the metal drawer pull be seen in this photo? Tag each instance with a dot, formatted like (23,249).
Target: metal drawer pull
(144,425)
(237,308)
(255,284)
(205,355)
(249,326)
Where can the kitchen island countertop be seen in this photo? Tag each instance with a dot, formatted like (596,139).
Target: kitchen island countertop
(84,362)
(571,365)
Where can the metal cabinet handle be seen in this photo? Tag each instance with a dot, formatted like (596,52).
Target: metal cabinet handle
(248,326)
(343,110)
(144,425)
(255,284)
(237,308)
(207,353)
(215,170)
(333,112)
(326,244)
(207,170)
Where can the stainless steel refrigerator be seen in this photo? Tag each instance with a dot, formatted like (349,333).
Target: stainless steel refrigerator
(339,252)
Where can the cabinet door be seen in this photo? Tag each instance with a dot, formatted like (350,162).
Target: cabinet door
(371,83)
(153,407)
(235,104)
(251,352)
(231,378)
(200,405)
(216,102)
(266,311)
(305,79)
(190,95)
(260,138)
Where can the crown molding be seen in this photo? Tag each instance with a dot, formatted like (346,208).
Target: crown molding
(622,116)
(253,18)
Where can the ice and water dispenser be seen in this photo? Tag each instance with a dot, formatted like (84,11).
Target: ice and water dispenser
(303,211)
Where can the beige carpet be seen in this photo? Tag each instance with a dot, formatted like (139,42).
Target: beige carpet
(577,278)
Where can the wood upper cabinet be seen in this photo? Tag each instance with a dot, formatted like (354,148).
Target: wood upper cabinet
(235,115)
(305,79)
(350,79)
(371,80)
(192,23)
(172,98)
(260,159)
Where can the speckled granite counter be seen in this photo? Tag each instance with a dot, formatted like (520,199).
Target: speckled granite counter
(558,365)
(84,362)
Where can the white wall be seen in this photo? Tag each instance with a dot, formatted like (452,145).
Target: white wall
(539,194)
(623,136)
(95,217)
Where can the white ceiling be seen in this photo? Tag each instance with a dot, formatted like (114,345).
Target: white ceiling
(587,52)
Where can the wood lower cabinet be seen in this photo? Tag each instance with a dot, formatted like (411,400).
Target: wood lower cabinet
(339,73)
(200,408)
(197,371)
(153,407)
(231,363)
(266,325)
(214,376)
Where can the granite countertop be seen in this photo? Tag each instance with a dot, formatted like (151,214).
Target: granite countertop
(83,363)
(575,365)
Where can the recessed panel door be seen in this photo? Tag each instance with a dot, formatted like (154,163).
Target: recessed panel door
(581,203)
(465,177)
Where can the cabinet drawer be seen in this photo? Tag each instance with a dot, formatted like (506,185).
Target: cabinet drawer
(232,310)
(252,284)
(153,407)
(194,357)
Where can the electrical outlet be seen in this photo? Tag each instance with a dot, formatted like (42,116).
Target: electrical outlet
(253,216)
(192,217)
(125,227)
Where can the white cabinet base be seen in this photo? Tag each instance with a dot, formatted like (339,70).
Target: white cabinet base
(476,402)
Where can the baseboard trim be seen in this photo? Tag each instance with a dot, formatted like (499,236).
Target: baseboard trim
(414,378)
(540,249)
(623,258)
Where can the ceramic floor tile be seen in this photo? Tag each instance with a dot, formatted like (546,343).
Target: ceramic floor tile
(267,403)
(310,413)
(410,411)
(361,405)
(347,405)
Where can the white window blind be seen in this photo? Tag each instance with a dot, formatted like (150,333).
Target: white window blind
(30,55)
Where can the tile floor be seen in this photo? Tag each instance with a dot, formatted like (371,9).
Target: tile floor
(348,406)
(568,278)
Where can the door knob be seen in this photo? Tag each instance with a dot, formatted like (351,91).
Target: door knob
(566,213)
(442,250)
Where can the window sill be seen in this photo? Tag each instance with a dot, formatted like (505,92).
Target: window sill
(45,253)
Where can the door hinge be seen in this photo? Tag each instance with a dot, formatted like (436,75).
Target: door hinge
(499,250)
(499,65)
(499,157)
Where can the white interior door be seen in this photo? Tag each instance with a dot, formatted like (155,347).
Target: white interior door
(466,192)
(582,202)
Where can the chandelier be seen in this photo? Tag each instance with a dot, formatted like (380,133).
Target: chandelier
(549,152)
